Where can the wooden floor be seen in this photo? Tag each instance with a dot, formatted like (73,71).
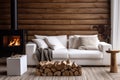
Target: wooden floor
(88,73)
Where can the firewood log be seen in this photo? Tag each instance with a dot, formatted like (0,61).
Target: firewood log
(80,73)
(69,67)
(63,70)
(67,61)
(53,70)
(57,73)
(49,74)
(42,63)
(56,63)
(43,74)
(59,67)
(41,70)
(71,73)
(47,70)
(76,73)
(74,64)
(62,63)
(65,73)
(44,67)
(65,67)
(73,70)
(49,65)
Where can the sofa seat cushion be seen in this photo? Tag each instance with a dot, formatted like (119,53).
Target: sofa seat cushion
(90,54)
(60,54)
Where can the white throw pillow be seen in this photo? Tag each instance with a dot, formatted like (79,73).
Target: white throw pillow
(91,41)
(62,39)
(40,42)
(76,42)
(70,42)
(54,43)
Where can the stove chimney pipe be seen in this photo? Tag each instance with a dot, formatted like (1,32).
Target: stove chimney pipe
(14,25)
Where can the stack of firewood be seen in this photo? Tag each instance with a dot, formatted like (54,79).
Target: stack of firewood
(58,68)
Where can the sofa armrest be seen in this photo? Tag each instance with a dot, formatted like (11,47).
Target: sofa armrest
(30,51)
(103,46)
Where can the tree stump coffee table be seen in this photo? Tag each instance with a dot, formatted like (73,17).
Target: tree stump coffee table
(58,68)
(113,66)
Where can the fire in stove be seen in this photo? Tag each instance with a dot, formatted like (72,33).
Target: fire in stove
(14,41)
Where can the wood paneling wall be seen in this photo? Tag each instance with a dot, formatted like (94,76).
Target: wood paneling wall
(53,17)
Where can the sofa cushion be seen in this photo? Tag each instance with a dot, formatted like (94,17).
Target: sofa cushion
(70,41)
(60,54)
(75,41)
(89,54)
(89,40)
(61,38)
(54,43)
(40,43)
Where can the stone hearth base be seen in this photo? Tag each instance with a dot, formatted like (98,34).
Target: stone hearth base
(58,68)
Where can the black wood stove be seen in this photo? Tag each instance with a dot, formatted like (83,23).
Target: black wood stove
(12,41)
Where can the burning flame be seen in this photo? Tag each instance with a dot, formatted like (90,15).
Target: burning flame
(15,42)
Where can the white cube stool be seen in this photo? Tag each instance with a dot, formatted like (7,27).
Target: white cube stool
(16,65)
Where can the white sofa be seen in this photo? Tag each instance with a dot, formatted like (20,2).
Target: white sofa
(80,56)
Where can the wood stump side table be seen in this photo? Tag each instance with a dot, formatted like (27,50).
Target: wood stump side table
(113,66)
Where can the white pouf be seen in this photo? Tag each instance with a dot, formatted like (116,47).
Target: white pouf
(16,65)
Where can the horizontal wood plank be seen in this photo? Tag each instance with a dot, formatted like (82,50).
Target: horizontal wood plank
(62,22)
(5,22)
(5,17)
(30,38)
(59,1)
(60,32)
(63,5)
(59,11)
(56,27)
(62,16)
(4,11)
(5,27)
(64,11)
(5,6)
(32,1)
(59,22)
(103,0)
(57,5)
